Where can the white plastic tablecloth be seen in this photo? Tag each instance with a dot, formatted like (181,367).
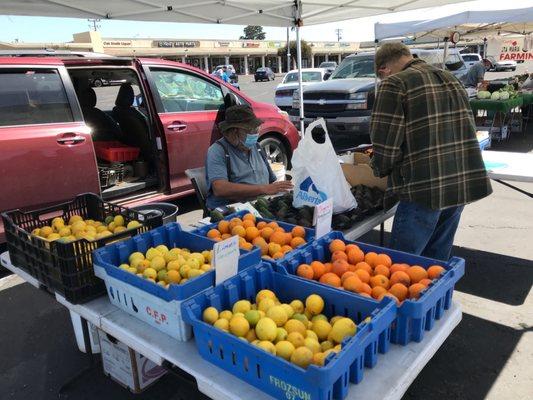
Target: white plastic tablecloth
(398,368)
(508,166)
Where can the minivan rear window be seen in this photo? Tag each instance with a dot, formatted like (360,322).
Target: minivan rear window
(32,96)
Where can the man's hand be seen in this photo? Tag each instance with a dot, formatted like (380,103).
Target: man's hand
(277,187)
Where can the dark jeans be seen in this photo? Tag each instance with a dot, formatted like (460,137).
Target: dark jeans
(423,231)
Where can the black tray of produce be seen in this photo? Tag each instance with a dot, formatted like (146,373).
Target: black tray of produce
(369,202)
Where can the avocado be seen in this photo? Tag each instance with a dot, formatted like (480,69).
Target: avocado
(216,216)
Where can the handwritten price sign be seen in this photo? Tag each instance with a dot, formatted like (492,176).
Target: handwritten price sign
(322,217)
(226,259)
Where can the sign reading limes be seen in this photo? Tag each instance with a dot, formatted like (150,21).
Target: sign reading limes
(226,259)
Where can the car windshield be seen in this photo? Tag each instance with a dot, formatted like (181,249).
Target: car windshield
(434,57)
(327,64)
(355,67)
(261,69)
(469,58)
(307,76)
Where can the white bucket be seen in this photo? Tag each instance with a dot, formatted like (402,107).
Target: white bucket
(279,170)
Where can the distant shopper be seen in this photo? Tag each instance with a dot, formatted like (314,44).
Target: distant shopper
(424,141)
(476,74)
(225,76)
(236,167)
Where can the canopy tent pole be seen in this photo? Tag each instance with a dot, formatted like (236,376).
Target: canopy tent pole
(375,72)
(288,51)
(446,44)
(297,25)
(300,87)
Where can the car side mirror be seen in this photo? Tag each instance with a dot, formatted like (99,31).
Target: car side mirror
(327,75)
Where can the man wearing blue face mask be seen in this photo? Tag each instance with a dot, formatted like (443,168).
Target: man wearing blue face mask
(236,167)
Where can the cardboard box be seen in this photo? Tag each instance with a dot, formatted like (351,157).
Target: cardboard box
(127,367)
(359,172)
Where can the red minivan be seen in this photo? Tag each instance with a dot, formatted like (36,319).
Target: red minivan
(53,115)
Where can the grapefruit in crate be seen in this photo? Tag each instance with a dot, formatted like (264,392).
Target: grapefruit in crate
(274,239)
(421,287)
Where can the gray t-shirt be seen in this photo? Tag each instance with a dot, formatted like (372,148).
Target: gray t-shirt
(249,168)
(475,74)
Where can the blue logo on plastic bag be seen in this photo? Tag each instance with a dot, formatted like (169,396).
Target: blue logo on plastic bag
(309,192)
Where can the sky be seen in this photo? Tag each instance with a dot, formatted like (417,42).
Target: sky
(39,29)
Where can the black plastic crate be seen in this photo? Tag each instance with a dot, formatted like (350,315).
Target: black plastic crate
(67,268)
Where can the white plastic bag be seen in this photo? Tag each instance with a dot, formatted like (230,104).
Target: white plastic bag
(317,174)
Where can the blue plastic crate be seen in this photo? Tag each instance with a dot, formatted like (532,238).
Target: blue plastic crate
(151,303)
(414,317)
(274,375)
(309,233)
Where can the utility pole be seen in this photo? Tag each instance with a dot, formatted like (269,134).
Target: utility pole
(338,32)
(94,23)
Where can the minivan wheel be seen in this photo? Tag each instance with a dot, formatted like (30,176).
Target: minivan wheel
(275,150)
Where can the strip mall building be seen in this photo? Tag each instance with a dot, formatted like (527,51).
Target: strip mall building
(245,55)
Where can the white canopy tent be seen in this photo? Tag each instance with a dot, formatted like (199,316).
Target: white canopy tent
(468,24)
(281,13)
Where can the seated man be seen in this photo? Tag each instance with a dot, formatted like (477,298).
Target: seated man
(236,167)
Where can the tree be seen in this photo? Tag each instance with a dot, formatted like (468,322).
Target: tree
(253,32)
(306,51)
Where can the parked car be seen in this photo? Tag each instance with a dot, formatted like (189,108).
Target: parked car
(329,66)
(52,122)
(345,100)
(264,74)
(285,90)
(501,65)
(470,59)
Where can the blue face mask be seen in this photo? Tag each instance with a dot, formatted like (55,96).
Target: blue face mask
(251,140)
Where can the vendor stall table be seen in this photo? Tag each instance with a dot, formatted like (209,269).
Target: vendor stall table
(527,98)
(502,113)
(366,225)
(398,368)
(506,166)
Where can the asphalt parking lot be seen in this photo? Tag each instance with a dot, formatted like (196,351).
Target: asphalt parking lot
(488,356)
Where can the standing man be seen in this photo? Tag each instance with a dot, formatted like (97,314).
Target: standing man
(476,74)
(424,141)
(225,76)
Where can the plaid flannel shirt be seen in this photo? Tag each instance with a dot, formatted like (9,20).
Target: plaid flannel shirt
(424,139)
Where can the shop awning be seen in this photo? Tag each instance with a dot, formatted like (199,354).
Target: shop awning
(468,24)
(239,12)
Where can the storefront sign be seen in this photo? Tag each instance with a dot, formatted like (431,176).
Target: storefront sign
(223,44)
(250,45)
(345,44)
(330,44)
(275,45)
(175,43)
(116,43)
